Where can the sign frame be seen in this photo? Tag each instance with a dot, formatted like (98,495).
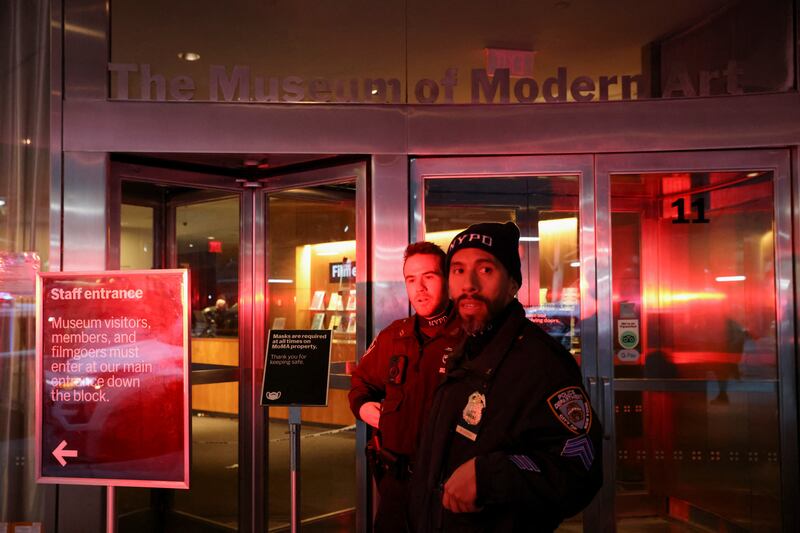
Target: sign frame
(39,389)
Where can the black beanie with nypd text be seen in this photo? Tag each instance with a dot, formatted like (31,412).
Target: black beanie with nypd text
(500,240)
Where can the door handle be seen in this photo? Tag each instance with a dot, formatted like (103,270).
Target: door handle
(608,403)
(596,399)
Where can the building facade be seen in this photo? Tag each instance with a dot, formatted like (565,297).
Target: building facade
(287,152)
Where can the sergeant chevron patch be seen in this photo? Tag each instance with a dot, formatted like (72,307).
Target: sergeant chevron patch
(524,462)
(580,447)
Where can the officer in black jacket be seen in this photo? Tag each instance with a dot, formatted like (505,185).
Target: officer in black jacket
(512,443)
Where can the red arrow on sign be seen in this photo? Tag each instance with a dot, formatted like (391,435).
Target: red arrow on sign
(59,453)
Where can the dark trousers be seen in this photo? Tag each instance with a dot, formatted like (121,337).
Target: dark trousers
(392,515)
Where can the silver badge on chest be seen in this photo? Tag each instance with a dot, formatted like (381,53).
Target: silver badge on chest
(473,411)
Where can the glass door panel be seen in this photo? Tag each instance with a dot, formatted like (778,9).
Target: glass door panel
(136,237)
(546,210)
(312,285)
(207,243)
(199,231)
(550,198)
(693,349)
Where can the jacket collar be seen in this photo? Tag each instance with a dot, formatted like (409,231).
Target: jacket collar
(499,345)
(451,328)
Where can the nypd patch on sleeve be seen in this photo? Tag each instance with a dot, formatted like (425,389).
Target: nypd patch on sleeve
(571,407)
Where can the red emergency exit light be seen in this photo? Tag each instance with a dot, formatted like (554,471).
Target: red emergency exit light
(518,62)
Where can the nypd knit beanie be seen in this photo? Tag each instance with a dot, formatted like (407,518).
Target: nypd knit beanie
(500,240)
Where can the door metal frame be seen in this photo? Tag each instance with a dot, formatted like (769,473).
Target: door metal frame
(211,187)
(334,173)
(525,166)
(777,161)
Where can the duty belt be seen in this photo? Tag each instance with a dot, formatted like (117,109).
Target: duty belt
(397,465)
(385,461)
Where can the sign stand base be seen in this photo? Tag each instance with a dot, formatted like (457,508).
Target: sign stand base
(294,466)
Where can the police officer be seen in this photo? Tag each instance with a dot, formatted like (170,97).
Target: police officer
(511,443)
(393,385)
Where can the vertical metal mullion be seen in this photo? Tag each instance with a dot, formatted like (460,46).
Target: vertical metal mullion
(416,198)
(114,213)
(794,472)
(264,247)
(605,502)
(363,328)
(258,418)
(245,470)
(589,309)
(787,347)
(250,338)
(56,132)
(171,236)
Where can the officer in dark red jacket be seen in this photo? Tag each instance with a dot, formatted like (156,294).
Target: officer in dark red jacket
(393,385)
(512,443)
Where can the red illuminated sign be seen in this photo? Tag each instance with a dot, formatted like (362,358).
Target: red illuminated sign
(112,378)
(518,62)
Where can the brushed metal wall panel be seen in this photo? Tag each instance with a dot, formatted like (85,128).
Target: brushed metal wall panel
(84,215)
(86,49)
(636,126)
(99,126)
(389,226)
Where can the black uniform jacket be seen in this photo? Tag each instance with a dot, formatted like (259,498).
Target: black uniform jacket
(408,392)
(537,442)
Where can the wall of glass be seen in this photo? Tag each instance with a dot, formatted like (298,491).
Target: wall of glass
(312,285)
(415,52)
(24,243)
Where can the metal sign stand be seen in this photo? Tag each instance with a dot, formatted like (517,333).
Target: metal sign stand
(294,465)
(111,523)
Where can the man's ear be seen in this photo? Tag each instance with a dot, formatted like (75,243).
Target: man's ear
(513,288)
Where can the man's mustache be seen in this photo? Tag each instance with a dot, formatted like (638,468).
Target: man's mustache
(476,297)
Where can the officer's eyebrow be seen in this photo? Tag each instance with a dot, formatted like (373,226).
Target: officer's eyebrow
(491,260)
(436,272)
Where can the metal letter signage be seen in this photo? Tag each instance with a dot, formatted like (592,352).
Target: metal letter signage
(112,378)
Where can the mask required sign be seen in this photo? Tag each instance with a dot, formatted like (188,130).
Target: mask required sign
(297,367)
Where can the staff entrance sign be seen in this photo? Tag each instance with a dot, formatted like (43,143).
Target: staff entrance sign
(112,378)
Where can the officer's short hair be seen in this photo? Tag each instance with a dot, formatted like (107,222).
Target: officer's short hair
(426,248)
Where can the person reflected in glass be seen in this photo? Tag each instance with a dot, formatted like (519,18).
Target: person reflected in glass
(394,382)
(214,316)
(725,371)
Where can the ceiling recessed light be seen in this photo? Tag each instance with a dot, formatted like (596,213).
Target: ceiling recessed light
(210,237)
(189,56)
(753,174)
